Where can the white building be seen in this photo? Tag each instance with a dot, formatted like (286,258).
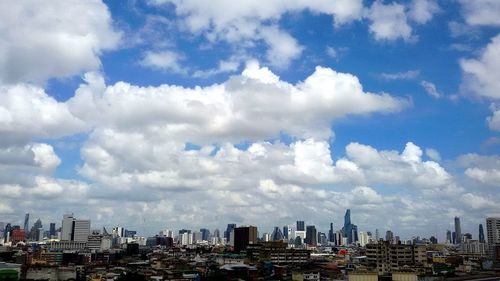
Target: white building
(67,227)
(81,230)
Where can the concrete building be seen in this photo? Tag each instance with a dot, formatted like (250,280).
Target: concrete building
(386,258)
(493,230)
(67,227)
(474,247)
(243,236)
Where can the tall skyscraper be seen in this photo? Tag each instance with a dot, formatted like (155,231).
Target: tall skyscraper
(458,231)
(389,236)
(205,233)
(448,237)
(350,230)
(481,234)
(52,230)
(331,234)
(286,232)
(277,235)
(229,229)
(311,235)
(67,227)
(26,222)
(300,226)
(493,230)
(244,236)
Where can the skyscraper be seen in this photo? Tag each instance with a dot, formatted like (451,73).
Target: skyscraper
(493,230)
(458,231)
(286,234)
(277,235)
(229,229)
(52,230)
(331,234)
(481,233)
(300,226)
(26,222)
(311,235)
(67,227)
(448,236)
(350,230)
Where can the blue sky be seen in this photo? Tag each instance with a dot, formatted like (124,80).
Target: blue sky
(168,114)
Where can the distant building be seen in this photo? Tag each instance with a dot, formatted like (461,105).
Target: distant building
(448,237)
(80,231)
(52,229)
(277,235)
(481,234)
(350,230)
(386,258)
(311,235)
(67,227)
(229,230)
(300,226)
(458,231)
(26,222)
(493,230)
(243,236)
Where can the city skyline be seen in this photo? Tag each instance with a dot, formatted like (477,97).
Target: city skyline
(186,114)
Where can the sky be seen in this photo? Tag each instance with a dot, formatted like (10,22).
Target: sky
(177,114)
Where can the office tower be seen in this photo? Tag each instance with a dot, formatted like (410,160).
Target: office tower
(67,227)
(229,229)
(286,235)
(34,233)
(205,233)
(52,229)
(454,237)
(300,226)
(363,238)
(6,233)
(196,236)
(350,230)
(244,236)
(322,240)
(377,235)
(277,235)
(493,230)
(182,231)
(80,231)
(311,235)
(216,233)
(26,222)
(331,234)
(481,233)
(130,233)
(118,231)
(389,236)
(458,231)
(433,240)
(448,237)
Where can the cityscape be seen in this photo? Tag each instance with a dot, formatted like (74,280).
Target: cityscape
(73,250)
(294,140)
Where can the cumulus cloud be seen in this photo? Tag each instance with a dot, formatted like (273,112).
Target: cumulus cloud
(481,12)
(233,111)
(481,74)
(422,11)
(494,121)
(53,39)
(481,168)
(248,22)
(389,21)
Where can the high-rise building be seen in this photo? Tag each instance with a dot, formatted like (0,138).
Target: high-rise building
(493,230)
(229,230)
(118,231)
(277,235)
(448,237)
(26,222)
(350,230)
(67,227)
(481,234)
(322,240)
(311,235)
(300,226)
(80,231)
(458,231)
(331,234)
(52,229)
(286,232)
(389,236)
(244,236)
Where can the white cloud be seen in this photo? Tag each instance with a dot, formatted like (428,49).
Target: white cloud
(486,176)
(27,111)
(433,154)
(389,22)
(52,39)
(481,74)
(475,201)
(430,89)
(224,66)
(494,121)
(233,111)
(422,11)
(164,60)
(481,12)
(407,75)
(247,22)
